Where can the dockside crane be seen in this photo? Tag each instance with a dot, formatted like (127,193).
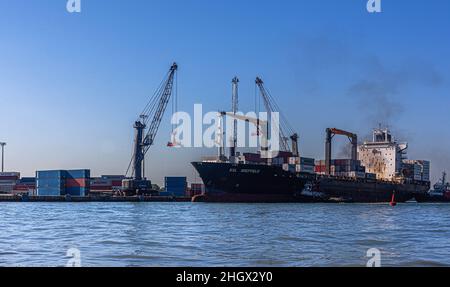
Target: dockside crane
(330,133)
(144,138)
(285,127)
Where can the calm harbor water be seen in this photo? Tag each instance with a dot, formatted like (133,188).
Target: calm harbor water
(185,234)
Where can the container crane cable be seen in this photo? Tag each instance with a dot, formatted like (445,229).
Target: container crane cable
(274,107)
(152,103)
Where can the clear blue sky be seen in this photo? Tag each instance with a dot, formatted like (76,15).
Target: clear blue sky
(71,85)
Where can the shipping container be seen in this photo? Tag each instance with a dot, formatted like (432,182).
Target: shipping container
(10,174)
(78,173)
(305,168)
(3,178)
(6,188)
(50,192)
(62,182)
(116,183)
(77,182)
(28,180)
(307,161)
(8,182)
(43,174)
(176,185)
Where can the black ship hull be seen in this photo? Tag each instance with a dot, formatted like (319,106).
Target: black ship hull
(253,183)
(250,183)
(428,198)
(369,191)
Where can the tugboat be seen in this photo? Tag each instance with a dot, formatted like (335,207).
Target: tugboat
(440,193)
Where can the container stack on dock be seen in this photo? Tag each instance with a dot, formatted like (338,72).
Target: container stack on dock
(107,184)
(25,185)
(63,182)
(175,186)
(50,183)
(78,182)
(7,181)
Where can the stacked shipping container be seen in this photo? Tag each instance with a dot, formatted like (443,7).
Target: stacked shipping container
(176,186)
(299,164)
(63,182)
(78,182)
(50,183)
(342,168)
(282,158)
(107,183)
(416,169)
(8,180)
(25,185)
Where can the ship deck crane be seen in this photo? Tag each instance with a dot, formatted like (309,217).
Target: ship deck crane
(285,128)
(331,132)
(144,138)
(261,130)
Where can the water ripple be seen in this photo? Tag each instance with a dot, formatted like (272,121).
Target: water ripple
(184,234)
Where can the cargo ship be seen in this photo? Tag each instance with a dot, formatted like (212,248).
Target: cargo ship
(378,170)
(440,192)
(249,183)
(252,179)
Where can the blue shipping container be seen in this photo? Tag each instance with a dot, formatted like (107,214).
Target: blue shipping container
(176,181)
(50,181)
(50,174)
(28,180)
(79,173)
(50,192)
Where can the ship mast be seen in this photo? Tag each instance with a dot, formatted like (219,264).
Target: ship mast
(234,109)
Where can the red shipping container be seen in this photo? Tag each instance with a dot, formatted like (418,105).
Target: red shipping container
(9,178)
(77,182)
(116,183)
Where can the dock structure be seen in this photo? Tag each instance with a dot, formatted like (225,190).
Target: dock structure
(18,198)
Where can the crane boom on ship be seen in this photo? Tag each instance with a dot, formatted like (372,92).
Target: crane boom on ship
(286,131)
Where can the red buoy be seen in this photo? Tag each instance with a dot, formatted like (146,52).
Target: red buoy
(393,203)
